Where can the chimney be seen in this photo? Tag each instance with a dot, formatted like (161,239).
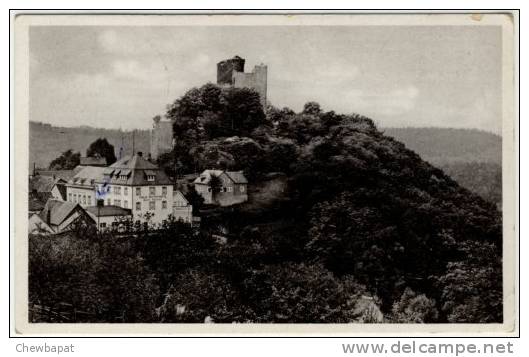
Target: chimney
(140,154)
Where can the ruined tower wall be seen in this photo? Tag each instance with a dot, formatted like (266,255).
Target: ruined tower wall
(226,68)
(161,138)
(256,80)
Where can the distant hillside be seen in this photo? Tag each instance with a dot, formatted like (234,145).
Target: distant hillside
(47,142)
(441,146)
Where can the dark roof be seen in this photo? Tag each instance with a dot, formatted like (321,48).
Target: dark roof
(205,177)
(105,211)
(93,161)
(61,187)
(237,176)
(59,211)
(135,169)
(64,174)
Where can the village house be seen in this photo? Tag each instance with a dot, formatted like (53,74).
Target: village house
(132,183)
(81,188)
(37,225)
(42,188)
(224,188)
(107,217)
(59,216)
(182,210)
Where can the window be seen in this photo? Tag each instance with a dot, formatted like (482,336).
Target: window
(164,204)
(84,199)
(230,189)
(242,188)
(75,198)
(138,191)
(117,190)
(209,189)
(126,191)
(138,206)
(108,202)
(150,177)
(152,205)
(117,202)
(164,191)
(223,189)
(70,197)
(89,200)
(102,224)
(152,191)
(126,204)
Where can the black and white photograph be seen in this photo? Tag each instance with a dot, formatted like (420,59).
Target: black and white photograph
(226,172)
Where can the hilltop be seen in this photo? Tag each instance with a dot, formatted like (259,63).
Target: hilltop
(447,145)
(349,213)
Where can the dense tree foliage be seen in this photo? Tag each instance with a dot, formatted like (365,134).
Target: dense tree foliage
(67,161)
(344,224)
(101,147)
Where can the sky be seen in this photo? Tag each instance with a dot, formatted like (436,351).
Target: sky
(121,77)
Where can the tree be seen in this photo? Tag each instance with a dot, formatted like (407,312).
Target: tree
(311,108)
(101,147)
(413,308)
(67,161)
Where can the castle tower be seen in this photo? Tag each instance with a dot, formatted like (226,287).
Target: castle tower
(226,68)
(230,72)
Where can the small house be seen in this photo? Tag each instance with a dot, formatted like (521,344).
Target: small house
(224,188)
(107,217)
(62,216)
(182,210)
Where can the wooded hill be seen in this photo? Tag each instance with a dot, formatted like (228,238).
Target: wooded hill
(361,215)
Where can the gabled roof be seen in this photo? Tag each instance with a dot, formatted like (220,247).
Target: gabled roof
(235,176)
(205,177)
(64,174)
(106,211)
(59,211)
(135,169)
(61,187)
(37,225)
(179,196)
(88,176)
(136,162)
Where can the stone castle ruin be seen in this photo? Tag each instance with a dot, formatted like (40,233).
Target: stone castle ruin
(230,73)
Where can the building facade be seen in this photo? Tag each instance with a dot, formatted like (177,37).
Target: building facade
(132,183)
(223,188)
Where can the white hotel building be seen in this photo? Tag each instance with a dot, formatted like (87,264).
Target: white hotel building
(130,183)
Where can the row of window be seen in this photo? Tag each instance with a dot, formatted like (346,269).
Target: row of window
(223,189)
(152,205)
(79,198)
(152,190)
